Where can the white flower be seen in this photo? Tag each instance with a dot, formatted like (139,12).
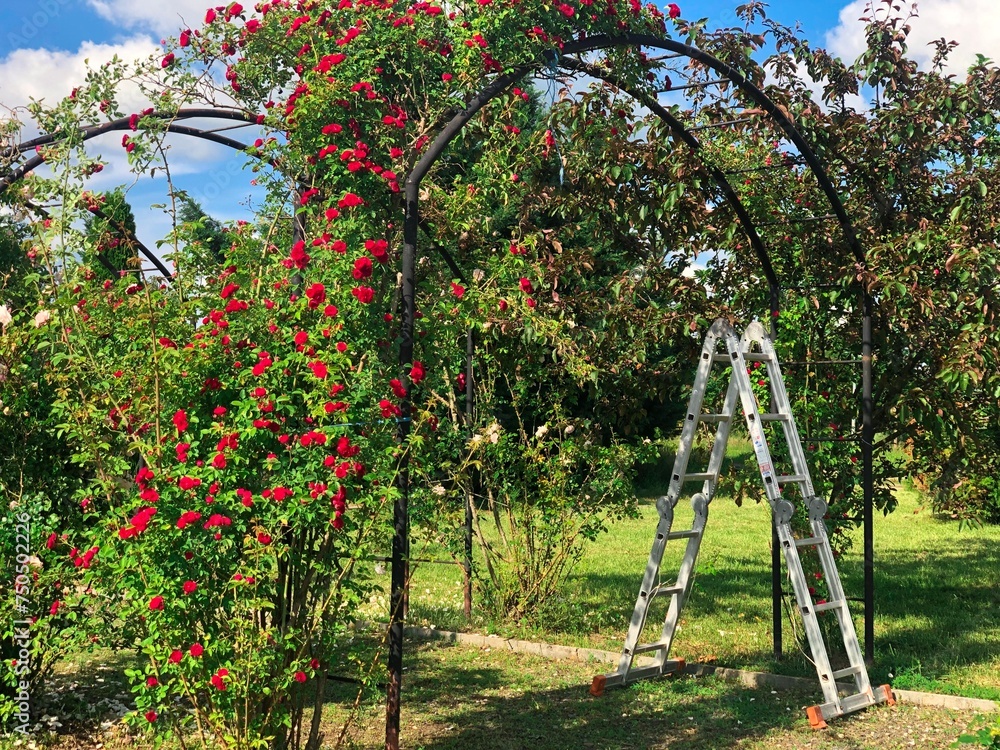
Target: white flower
(569,429)
(5,317)
(42,318)
(541,431)
(438,489)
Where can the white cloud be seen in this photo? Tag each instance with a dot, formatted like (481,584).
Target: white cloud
(974,24)
(166,18)
(52,74)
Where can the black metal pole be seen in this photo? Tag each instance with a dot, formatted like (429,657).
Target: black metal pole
(470,395)
(867,464)
(400,538)
(775,542)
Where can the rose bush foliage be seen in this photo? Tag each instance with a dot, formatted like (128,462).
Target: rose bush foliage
(237,425)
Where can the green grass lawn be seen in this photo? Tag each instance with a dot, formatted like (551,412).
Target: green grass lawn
(937,629)
(466,698)
(937,622)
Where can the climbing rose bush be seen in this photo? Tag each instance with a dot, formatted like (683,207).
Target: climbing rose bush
(239,424)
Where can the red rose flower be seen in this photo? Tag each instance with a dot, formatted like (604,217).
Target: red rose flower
(152,682)
(350,200)
(316,293)
(217,679)
(263,538)
(150,716)
(196,650)
(175,656)
(673,11)
(156,603)
(364,294)
(300,676)
(362,268)
(190,587)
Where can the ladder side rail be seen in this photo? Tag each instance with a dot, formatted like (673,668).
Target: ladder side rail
(721,441)
(649,578)
(665,505)
(816,511)
(800,586)
(719,330)
(783,511)
(700,504)
(848,631)
(755,333)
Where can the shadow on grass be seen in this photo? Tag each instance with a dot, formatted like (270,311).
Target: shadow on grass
(456,697)
(937,611)
(473,709)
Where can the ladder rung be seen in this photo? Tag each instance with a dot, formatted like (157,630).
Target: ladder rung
(787,478)
(829,605)
(647,647)
(701,477)
(775,417)
(714,417)
(856,701)
(669,590)
(845,672)
(810,542)
(722,358)
(755,357)
(686,534)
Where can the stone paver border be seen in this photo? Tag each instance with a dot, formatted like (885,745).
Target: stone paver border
(749,679)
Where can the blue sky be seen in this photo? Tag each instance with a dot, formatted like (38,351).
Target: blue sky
(44,43)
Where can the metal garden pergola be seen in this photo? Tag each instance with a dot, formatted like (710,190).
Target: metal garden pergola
(570,59)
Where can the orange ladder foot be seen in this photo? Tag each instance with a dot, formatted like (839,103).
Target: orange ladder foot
(815,715)
(597,686)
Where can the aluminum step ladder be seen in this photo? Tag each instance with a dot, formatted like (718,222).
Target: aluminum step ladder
(754,346)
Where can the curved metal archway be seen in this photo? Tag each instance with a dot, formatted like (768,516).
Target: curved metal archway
(501,84)
(126,123)
(412,223)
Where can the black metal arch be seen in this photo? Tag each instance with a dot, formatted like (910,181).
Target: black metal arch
(125,123)
(499,85)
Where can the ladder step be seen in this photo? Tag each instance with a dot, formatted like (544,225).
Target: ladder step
(701,477)
(686,534)
(714,417)
(666,590)
(775,418)
(754,357)
(788,478)
(647,647)
(829,605)
(845,672)
(856,701)
(810,542)
(722,357)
